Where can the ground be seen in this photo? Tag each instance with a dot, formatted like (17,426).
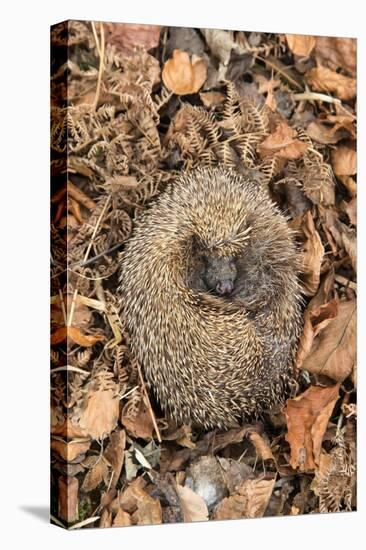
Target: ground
(132,107)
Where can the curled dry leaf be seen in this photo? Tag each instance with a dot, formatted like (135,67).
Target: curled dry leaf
(182,75)
(145,509)
(307,417)
(261,446)
(322,79)
(301,44)
(193,506)
(69,450)
(282,143)
(122,519)
(344,161)
(337,52)
(250,500)
(68,498)
(100,415)
(313,252)
(75,335)
(333,351)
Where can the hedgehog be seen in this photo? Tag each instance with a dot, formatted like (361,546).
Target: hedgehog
(211,299)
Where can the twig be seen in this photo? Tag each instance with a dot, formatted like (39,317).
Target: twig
(98,256)
(73,303)
(63,306)
(101,63)
(69,368)
(346,282)
(148,403)
(314,96)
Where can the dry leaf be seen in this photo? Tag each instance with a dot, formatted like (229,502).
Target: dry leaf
(351,210)
(344,161)
(183,75)
(333,352)
(261,446)
(75,335)
(126,36)
(95,475)
(141,424)
(307,417)
(193,506)
(131,495)
(122,519)
(148,512)
(68,498)
(322,79)
(212,99)
(313,252)
(69,450)
(100,415)
(300,44)
(337,52)
(282,143)
(325,134)
(250,501)
(114,453)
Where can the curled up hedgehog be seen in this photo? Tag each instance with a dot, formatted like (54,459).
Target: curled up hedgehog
(210,295)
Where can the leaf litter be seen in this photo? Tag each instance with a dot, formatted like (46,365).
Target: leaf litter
(132,106)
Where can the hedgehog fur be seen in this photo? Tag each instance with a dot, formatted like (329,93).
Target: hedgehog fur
(211,360)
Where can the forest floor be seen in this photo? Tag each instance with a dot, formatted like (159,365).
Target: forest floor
(132,107)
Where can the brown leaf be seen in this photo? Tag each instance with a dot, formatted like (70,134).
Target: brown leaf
(300,44)
(326,134)
(141,424)
(350,208)
(282,143)
(68,498)
(95,475)
(114,453)
(333,352)
(193,506)
(122,519)
(145,509)
(344,161)
(75,335)
(250,501)
(69,450)
(313,252)
(130,496)
(307,417)
(183,75)
(337,52)
(322,79)
(212,99)
(126,36)
(261,446)
(100,415)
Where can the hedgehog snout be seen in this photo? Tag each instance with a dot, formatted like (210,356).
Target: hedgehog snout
(225,287)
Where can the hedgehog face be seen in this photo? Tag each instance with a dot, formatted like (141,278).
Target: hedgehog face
(220,274)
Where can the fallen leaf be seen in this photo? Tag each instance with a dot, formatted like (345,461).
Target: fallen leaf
(337,52)
(250,500)
(322,79)
(205,477)
(234,473)
(95,476)
(261,446)
(126,36)
(68,498)
(307,417)
(344,161)
(69,450)
(140,424)
(325,133)
(100,416)
(76,336)
(220,43)
(350,208)
(350,184)
(212,99)
(183,75)
(114,453)
(193,506)
(122,519)
(129,497)
(282,143)
(148,512)
(312,257)
(300,44)
(333,352)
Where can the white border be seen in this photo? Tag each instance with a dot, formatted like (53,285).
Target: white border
(24,269)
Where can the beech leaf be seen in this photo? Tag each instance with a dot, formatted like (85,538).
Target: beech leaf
(182,75)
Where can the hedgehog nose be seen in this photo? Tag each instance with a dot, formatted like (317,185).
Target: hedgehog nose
(224,287)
